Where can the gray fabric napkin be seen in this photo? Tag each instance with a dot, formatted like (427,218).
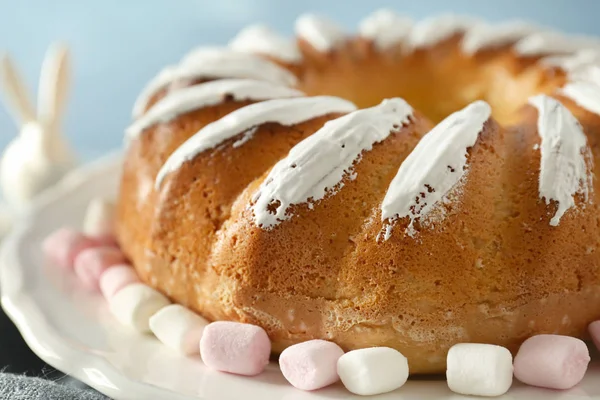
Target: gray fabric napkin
(18,387)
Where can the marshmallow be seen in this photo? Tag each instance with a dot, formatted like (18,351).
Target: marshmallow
(234,347)
(99,219)
(479,369)
(135,304)
(116,278)
(91,263)
(552,361)
(373,370)
(178,328)
(62,246)
(594,329)
(311,365)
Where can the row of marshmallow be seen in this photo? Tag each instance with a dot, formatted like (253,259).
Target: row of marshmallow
(551,361)
(231,347)
(548,361)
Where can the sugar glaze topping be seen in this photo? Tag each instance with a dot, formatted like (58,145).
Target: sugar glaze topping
(573,62)
(588,73)
(317,165)
(583,87)
(321,33)
(282,111)
(164,77)
(431,31)
(206,94)
(385,28)
(215,63)
(584,90)
(549,42)
(263,40)
(563,148)
(482,36)
(434,167)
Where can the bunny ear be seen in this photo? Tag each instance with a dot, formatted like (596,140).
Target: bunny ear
(53,87)
(15,93)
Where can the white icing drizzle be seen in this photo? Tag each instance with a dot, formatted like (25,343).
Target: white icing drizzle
(585,94)
(431,31)
(483,36)
(199,53)
(316,166)
(215,63)
(434,167)
(166,76)
(233,64)
(573,62)
(263,40)
(548,42)
(161,80)
(563,167)
(385,28)
(588,73)
(321,33)
(206,94)
(282,111)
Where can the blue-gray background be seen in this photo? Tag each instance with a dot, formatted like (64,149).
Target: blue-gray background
(118,45)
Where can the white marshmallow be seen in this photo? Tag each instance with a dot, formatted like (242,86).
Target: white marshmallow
(178,328)
(372,371)
(479,369)
(135,304)
(99,218)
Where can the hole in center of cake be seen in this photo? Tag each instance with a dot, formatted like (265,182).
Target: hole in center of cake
(437,81)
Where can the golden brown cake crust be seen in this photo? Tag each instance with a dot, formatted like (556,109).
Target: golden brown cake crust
(492,270)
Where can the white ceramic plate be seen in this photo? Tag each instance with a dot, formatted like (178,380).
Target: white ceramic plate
(73,331)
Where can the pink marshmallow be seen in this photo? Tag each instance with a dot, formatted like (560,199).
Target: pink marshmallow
(64,245)
(236,348)
(552,361)
(116,278)
(311,365)
(594,329)
(90,264)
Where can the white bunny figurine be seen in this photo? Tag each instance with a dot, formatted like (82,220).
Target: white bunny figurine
(40,155)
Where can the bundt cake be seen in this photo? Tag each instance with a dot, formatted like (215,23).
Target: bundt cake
(269,182)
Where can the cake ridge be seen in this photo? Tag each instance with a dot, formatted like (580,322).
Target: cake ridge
(287,112)
(317,165)
(434,167)
(563,148)
(206,94)
(214,63)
